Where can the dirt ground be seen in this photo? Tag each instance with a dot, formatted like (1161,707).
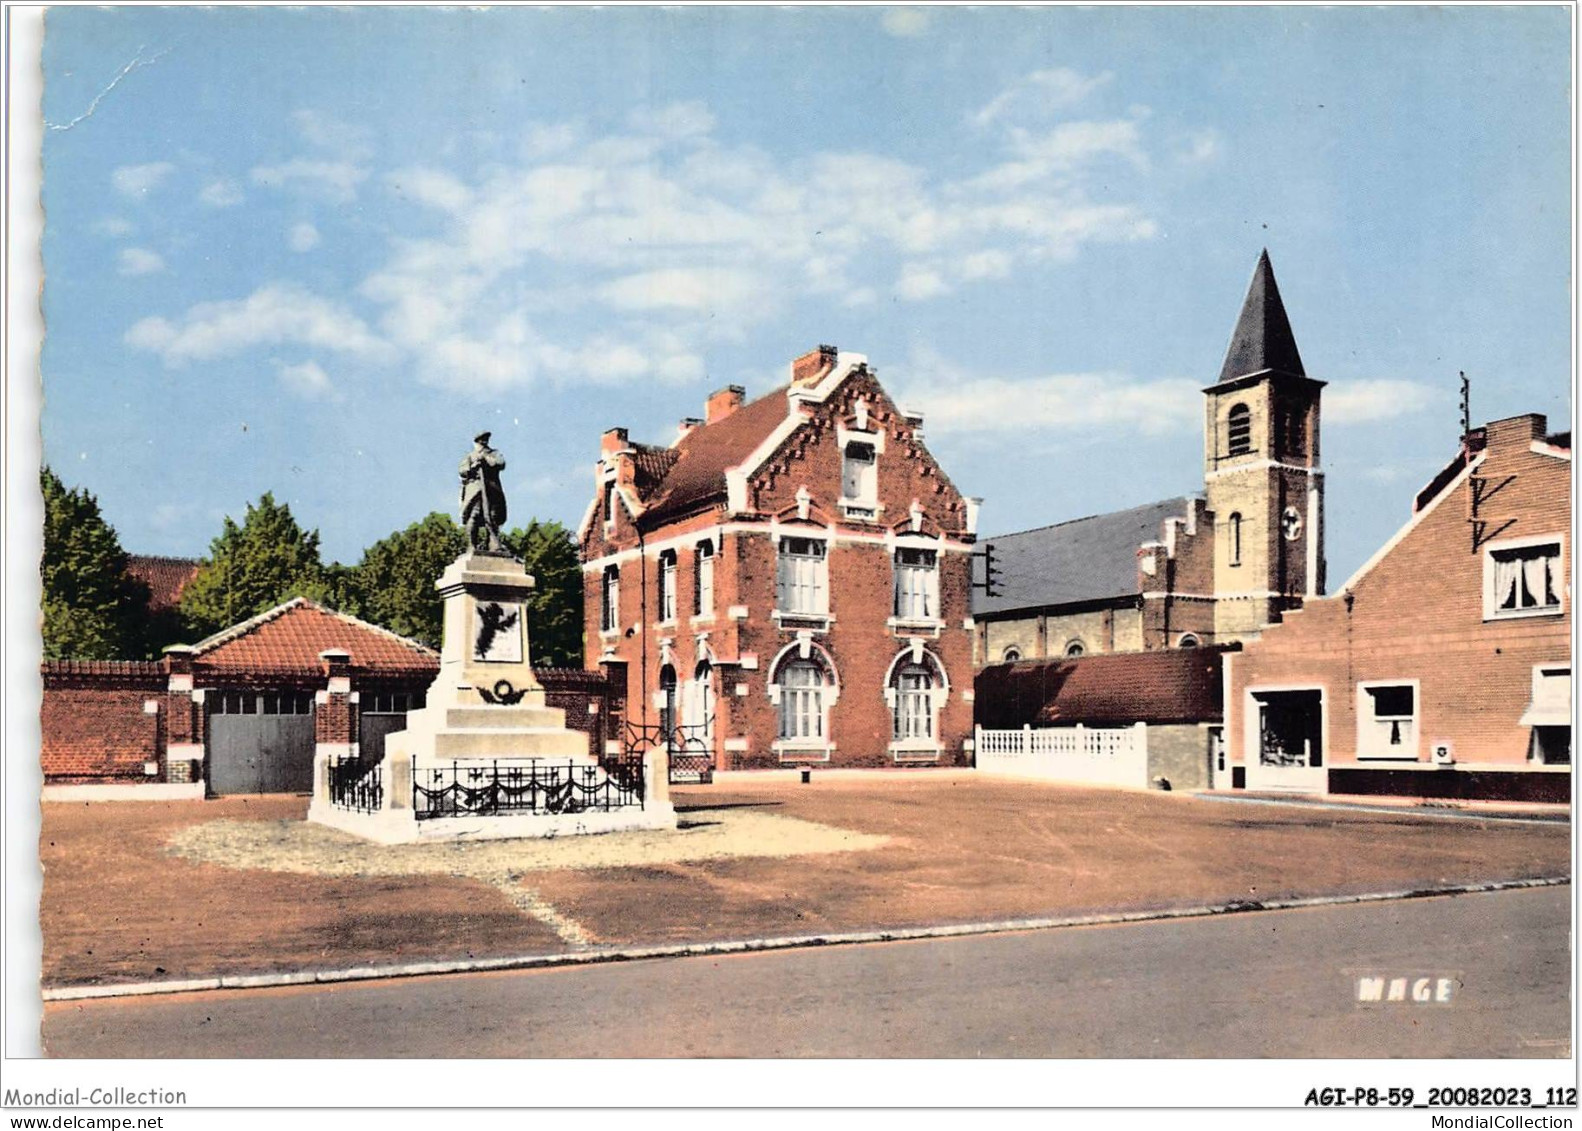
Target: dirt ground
(128,897)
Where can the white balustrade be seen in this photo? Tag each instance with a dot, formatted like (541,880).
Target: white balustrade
(1087,755)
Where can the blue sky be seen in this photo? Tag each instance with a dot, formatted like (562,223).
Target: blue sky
(313,251)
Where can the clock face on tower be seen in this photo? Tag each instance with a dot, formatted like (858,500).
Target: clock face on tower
(1291,524)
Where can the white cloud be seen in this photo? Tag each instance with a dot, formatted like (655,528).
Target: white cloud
(140,180)
(221,193)
(1362,402)
(906,23)
(275,314)
(113,226)
(1198,147)
(307,380)
(1039,93)
(335,181)
(324,131)
(303,237)
(139,261)
(671,239)
(957,401)
(918,282)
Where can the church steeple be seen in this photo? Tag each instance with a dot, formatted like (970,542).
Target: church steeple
(1262,340)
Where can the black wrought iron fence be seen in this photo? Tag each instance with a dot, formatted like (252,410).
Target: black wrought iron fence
(504,787)
(691,748)
(356,785)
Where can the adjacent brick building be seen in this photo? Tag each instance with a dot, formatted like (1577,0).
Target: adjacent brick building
(1187,571)
(1443,667)
(787,583)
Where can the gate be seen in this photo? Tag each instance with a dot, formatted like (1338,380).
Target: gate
(690,748)
(260,742)
(383,713)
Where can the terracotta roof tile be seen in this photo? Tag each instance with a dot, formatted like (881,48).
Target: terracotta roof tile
(697,473)
(290,637)
(1181,685)
(166,578)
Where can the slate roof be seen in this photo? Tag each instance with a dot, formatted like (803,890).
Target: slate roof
(289,638)
(1262,339)
(1085,559)
(1181,685)
(696,472)
(166,578)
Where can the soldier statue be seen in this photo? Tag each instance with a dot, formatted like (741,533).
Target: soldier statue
(482,497)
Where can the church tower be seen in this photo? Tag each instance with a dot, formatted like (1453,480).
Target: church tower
(1261,469)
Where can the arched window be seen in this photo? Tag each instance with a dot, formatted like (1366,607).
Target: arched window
(700,706)
(1188,640)
(1075,648)
(1238,430)
(802,702)
(1011,655)
(667,708)
(916,691)
(1233,532)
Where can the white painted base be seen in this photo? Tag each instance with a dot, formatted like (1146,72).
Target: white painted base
(898,773)
(399,826)
(130,791)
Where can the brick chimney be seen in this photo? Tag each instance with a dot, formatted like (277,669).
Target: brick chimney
(613,440)
(615,450)
(813,366)
(688,425)
(723,402)
(1518,431)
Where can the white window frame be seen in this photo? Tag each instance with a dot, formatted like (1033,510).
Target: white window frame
(803,748)
(923,585)
(610,601)
(802,579)
(667,586)
(703,560)
(932,699)
(1368,750)
(611,494)
(1491,609)
(863,506)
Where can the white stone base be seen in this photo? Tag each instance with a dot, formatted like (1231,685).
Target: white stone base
(129,791)
(399,826)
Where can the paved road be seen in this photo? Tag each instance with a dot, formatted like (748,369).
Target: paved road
(1265,984)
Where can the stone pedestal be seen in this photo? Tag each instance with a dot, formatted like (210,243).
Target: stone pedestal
(485,710)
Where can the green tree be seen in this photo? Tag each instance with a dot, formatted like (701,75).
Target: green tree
(253,567)
(93,609)
(393,584)
(554,612)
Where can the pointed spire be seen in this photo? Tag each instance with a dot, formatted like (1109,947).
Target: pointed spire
(1262,339)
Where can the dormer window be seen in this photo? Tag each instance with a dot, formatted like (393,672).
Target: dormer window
(1238,430)
(859,479)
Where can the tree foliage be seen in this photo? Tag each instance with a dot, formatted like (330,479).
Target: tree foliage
(253,567)
(554,612)
(92,608)
(393,584)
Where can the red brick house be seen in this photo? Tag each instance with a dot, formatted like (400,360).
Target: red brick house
(245,710)
(1443,667)
(786,584)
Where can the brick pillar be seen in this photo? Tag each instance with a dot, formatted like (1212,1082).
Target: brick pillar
(614,728)
(183,718)
(335,720)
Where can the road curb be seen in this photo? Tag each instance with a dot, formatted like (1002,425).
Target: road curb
(596,955)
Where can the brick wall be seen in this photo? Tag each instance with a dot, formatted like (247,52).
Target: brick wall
(95,722)
(585,697)
(1418,615)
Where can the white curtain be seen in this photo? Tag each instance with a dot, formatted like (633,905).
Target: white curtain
(1506,571)
(1535,571)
